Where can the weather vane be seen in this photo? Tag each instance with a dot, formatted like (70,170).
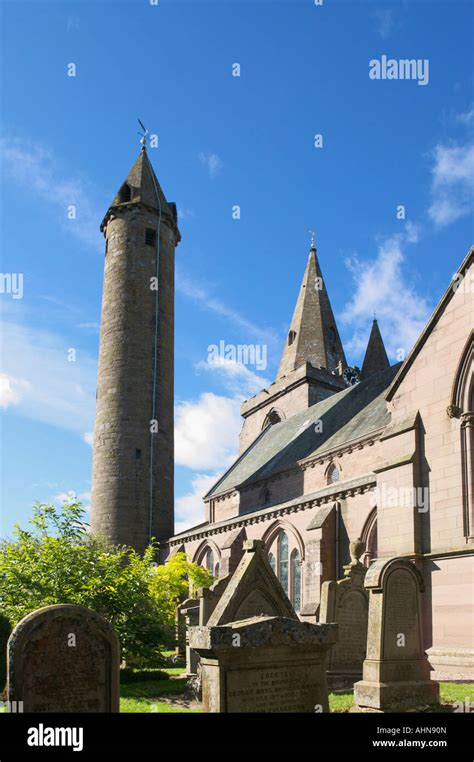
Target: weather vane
(143,135)
(313,236)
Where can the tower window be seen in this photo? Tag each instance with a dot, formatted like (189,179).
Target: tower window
(125,193)
(266,496)
(291,337)
(150,237)
(138,454)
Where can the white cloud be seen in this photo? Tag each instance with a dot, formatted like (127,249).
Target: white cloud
(452,183)
(51,390)
(211,162)
(467,117)
(190,507)
(88,437)
(383,285)
(207,432)
(33,168)
(237,377)
(11,390)
(199,294)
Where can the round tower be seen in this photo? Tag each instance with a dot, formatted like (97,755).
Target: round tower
(133,460)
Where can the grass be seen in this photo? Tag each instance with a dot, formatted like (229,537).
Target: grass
(145,696)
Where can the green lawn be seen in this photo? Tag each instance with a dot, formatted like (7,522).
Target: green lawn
(146,696)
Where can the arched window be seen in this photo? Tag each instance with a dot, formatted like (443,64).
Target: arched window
(295,596)
(283,561)
(271,418)
(291,337)
(333,474)
(271,561)
(462,407)
(208,561)
(217,569)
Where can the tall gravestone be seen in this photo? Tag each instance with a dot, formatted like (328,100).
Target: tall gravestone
(256,656)
(346,602)
(5,630)
(64,658)
(396,671)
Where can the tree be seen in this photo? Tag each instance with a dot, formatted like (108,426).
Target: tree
(58,561)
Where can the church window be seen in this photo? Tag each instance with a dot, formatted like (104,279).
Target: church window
(217,569)
(150,237)
(283,561)
(209,561)
(291,337)
(271,418)
(125,193)
(271,561)
(333,474)
(295,596)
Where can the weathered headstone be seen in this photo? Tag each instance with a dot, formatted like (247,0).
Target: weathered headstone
(5,630)
(396,671)
(346,602)
(64,658)
(256,656)
(189,609)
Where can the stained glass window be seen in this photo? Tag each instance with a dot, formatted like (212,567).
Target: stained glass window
(296,580)
(283,561)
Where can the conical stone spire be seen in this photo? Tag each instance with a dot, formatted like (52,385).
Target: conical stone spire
(375,356)
(313,336)
(141,186)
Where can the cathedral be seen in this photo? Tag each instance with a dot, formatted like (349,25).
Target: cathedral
(328,453)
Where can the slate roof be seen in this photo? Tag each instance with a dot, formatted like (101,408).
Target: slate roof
(346,416)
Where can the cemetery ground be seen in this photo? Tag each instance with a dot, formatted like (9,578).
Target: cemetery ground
(165,690)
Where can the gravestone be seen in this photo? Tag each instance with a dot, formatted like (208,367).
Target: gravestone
(396,671)
(256,656)
(64,658)
(5,630)
(346,602)
(189,609)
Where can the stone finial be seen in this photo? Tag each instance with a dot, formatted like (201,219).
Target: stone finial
(356,548)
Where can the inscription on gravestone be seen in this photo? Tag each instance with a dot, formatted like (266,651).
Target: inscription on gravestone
(64,658)
(396,672)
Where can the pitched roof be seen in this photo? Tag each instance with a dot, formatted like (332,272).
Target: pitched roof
(346,416)
(313,336)
(375,356)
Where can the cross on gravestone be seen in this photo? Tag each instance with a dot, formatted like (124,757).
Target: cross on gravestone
(64,658)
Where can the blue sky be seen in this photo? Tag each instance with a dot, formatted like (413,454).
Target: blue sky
(223,141)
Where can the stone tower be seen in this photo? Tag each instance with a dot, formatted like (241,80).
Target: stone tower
(133,462)
(311,363)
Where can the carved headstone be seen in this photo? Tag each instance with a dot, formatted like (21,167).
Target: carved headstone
(64,658)
(189,609)
(253,590)
(396,671)
(346,602)
(256,656)
(5,630)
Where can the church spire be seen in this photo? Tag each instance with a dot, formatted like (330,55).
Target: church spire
(313,336)
(375,356)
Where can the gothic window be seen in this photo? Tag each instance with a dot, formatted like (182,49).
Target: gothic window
(271,418)
(291,337)
(217,569)
(208,561)
(295,596)
(150,237)
(271,561)
(462,407)
(283,561)
(333,474)
(125,193)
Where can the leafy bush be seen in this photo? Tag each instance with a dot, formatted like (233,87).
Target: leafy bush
(58,561)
